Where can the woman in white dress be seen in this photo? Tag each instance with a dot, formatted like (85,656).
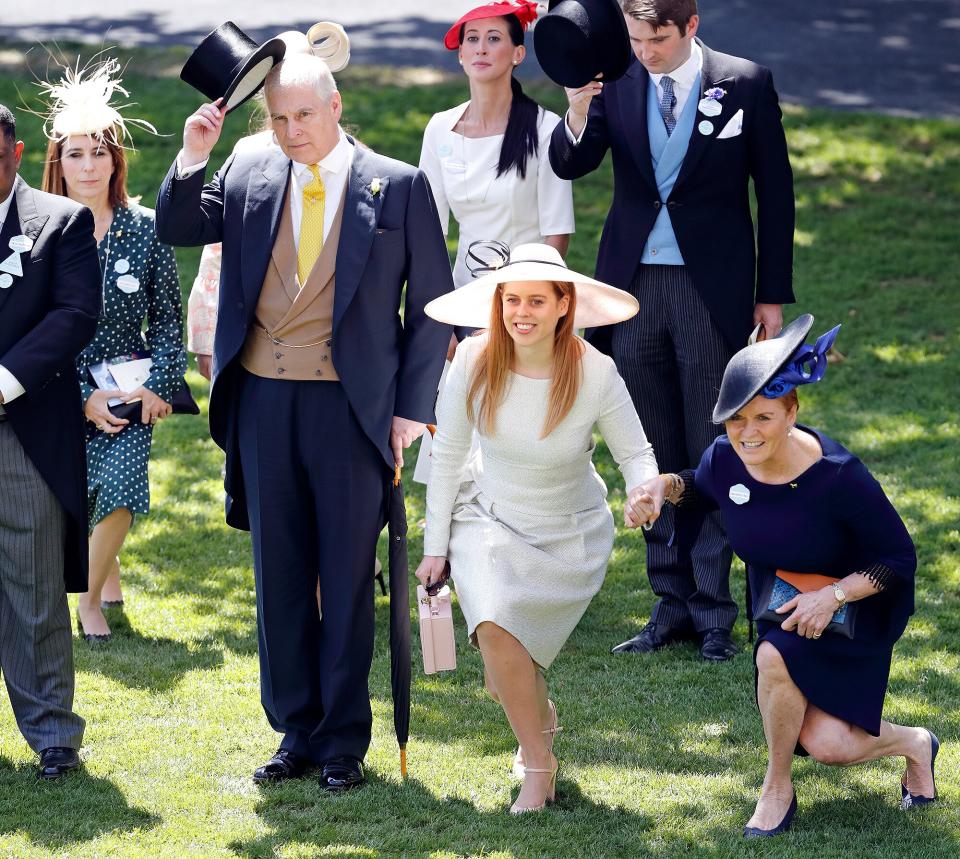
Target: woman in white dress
(487,159)
(526,528)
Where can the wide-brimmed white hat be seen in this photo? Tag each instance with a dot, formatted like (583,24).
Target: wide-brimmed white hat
(469,306)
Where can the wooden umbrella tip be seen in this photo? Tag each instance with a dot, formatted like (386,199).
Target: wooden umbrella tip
(403,763)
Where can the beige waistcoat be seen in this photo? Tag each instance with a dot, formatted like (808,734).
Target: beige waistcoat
(292,332)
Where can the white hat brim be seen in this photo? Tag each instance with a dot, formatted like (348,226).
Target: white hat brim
(597,303)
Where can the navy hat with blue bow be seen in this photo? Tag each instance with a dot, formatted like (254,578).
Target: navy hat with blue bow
(772,368)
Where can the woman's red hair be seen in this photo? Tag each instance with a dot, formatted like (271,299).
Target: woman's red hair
(488,384)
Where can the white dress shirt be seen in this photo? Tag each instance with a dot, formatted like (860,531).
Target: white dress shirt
(684,77)
(334,172)
(10,388)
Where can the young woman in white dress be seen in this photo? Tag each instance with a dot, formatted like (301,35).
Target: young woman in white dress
(526,527)
(487,159)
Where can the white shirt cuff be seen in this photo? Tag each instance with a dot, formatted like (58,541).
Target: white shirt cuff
(183,174)
(9,386)
(566,127)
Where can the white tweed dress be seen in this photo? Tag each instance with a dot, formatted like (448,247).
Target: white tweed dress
(526,526)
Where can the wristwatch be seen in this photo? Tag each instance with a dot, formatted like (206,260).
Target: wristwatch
(840,596)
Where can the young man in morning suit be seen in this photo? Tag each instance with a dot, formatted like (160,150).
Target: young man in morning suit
(688,129)
(317,387)
(49,300)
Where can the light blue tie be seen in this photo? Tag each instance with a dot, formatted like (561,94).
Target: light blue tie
(667,104)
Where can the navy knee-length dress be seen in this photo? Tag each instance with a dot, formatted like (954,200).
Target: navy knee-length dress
(834,519)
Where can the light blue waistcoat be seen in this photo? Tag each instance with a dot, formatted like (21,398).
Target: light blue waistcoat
(667,153)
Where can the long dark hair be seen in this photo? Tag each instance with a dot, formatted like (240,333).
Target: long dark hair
(520,140)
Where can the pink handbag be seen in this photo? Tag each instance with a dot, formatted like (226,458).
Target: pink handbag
(436,630)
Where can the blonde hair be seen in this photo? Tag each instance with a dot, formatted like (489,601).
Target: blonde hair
(488,384)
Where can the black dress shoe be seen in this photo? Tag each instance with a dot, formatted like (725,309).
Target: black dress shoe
(341,774)
(718,646)
(282,766)
(57,761)
(653,637)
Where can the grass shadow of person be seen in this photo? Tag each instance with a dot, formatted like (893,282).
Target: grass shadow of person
(56,815)
(142,662)
(407,818)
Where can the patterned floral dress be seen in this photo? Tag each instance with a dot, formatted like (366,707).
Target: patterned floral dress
(140,283)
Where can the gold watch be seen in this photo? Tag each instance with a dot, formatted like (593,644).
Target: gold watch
(841,597)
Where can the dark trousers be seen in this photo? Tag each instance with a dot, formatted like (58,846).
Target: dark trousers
(672,357)
(315,487)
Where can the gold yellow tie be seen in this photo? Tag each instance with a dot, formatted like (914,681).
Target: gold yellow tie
(311,224)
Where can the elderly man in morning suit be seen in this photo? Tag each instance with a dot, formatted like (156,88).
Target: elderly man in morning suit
(688,128)
(317,387)
(49,300)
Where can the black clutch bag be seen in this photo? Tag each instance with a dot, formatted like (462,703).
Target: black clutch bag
(784,586)
(182,400)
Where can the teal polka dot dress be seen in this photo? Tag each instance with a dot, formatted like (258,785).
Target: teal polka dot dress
(140,287)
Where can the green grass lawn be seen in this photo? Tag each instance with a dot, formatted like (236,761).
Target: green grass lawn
(661,755)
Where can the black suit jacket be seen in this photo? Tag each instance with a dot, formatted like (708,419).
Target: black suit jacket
(47,317)
(387,240)
(731,267)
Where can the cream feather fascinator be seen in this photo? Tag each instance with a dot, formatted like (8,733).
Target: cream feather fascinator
(84,101)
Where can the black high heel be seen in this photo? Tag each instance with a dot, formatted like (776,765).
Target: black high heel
(784,825)
(909,800)
(89,637)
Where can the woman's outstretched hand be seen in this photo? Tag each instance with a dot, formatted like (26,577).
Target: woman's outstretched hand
(644,503)
(431,569)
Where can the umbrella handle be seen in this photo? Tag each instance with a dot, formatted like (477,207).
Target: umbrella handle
(396,469)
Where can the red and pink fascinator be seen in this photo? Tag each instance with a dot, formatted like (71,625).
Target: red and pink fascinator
(524,10)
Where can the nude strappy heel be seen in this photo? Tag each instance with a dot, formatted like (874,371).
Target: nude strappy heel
(551,796)
(518,766)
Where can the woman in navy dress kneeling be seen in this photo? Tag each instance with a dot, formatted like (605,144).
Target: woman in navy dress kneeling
(830,570)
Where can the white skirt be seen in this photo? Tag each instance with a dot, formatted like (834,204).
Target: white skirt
(532,575)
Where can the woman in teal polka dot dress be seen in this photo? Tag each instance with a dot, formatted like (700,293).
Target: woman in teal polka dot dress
(140,284)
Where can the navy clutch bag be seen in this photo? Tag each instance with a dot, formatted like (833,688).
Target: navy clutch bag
(783,587)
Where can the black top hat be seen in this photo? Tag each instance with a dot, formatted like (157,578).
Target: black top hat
(228,64)
(753,366)
(579,39)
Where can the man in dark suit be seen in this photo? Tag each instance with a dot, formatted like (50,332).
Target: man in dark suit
(688,128)
(317,387)
(49,299)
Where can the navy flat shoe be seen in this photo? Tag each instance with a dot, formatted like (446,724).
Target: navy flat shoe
(753,832)
(909,800)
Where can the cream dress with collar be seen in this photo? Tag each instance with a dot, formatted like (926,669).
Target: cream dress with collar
(526,526)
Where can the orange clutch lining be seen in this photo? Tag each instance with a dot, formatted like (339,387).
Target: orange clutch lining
(806,582)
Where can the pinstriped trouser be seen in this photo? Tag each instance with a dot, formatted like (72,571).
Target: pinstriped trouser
(36,648)
(672,357)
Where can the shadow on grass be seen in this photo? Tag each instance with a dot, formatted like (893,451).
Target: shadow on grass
(78,808)
(415,821)
(140,662)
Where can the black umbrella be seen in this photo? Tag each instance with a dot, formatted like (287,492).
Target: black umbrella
(399,616)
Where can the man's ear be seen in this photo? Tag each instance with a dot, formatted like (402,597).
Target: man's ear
(18,152)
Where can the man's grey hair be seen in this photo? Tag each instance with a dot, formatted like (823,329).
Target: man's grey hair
(299,70)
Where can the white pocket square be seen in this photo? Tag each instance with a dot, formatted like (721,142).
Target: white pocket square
(733,127)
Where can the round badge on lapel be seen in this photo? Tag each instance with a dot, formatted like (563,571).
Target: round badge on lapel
(6,281)
(128,283)
(739,494)
(709,107)
(705,127)
(21,244)
(121,266)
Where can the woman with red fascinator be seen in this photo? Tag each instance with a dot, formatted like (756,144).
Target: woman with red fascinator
(487,159)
